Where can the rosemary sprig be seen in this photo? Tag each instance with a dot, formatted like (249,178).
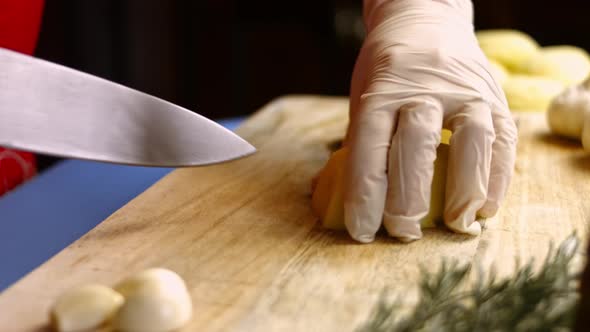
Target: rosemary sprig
(526,301)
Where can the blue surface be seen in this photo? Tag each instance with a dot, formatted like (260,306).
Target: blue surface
(46,214)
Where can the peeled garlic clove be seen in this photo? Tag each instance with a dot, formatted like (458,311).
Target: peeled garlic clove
(565,115)
(156,300)
(153,313)
(84,308)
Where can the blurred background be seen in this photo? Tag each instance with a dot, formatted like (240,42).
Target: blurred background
(224,58)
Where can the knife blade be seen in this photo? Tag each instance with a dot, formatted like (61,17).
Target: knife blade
(51,109)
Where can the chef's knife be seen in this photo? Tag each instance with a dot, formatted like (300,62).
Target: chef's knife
(51,109)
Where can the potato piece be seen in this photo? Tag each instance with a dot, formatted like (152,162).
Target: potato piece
(565,63)
(327,198)
(511,48)
(499,72)
(530,93)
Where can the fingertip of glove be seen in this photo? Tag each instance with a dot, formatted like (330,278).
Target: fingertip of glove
(403,228)
(408,239)
(363,238)
(488,210)
(473,229)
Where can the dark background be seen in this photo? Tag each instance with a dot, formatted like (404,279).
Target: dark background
(224,58)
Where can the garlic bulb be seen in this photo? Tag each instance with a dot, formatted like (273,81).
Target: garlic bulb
(569,113)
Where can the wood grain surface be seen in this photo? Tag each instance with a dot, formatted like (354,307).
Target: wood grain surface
(244,238)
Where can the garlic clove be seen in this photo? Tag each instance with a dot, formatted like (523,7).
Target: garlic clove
(156,300)
(84,308)
(153,313)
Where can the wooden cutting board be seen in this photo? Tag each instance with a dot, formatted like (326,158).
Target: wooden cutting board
(243,236)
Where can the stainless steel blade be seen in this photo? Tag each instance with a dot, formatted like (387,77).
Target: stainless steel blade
(51,109)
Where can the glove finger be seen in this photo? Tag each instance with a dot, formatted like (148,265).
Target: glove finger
(411,167)
(365,171)
(503,160)
(468,170)
(358,85)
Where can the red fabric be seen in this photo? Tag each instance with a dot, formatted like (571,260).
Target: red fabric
(20,21)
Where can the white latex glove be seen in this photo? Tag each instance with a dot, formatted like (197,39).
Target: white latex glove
(420,69)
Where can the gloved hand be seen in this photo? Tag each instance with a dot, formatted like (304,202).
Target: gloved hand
(420,69)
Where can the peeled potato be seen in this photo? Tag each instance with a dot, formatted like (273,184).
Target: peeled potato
(511,48)
(498,71)
(568,64)
(327,199)
(531,93)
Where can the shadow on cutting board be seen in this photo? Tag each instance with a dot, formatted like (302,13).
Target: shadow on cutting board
(342,237)
(582,161)
(556,140)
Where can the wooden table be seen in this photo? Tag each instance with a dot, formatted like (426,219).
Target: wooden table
(244,238)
